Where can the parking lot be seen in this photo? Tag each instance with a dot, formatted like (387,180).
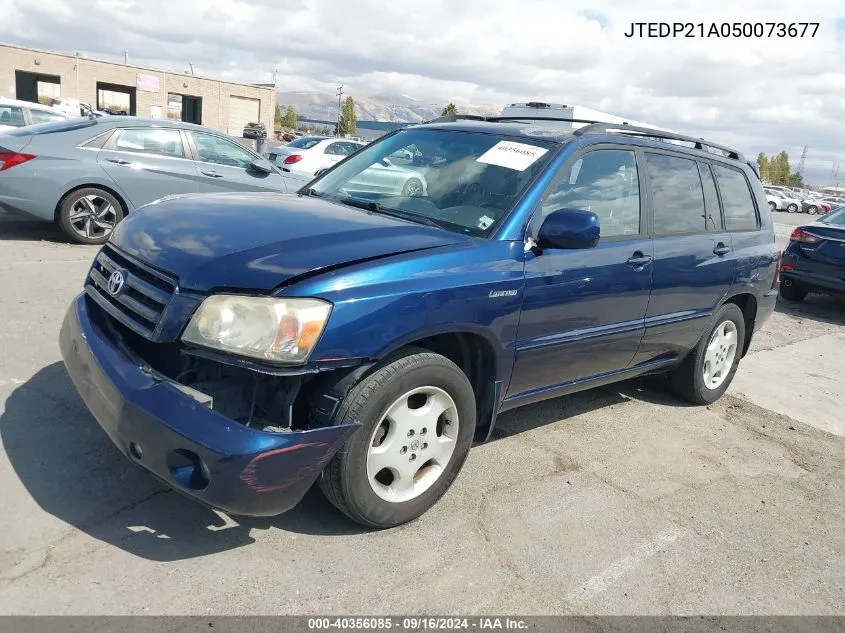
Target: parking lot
(622,500)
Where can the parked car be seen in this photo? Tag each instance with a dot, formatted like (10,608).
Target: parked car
(814,260)
(241,347)
(88,174)
(255,130)
(308,154)
(388,178)
(74,107)
(787,200)
(15,114)
(812,206)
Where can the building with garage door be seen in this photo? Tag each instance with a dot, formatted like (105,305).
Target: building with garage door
(37,75)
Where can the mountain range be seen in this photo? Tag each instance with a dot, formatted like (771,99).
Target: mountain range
(382,107)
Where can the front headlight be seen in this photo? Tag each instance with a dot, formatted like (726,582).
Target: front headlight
(268,328)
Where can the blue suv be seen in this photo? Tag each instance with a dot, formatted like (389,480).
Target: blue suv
(362,334)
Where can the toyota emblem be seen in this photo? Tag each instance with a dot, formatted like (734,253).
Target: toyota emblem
(116,281)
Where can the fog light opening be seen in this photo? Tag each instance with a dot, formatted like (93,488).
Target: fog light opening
(188,470)
(136,451)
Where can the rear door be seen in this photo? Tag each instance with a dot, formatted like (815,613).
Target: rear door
(223,165)
(694,267)
(148,163)
(583,310)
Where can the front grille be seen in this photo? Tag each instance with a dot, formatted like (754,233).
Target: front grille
(140,303)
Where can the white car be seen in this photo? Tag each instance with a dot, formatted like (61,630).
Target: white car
(783,201)
(74,107)
(309,154)
(15,113)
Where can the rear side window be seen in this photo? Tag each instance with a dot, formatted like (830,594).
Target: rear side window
(151,141)
(11,116)
(605,182)
(41,116)
(711,198)
(677,195)
(737,200)
(304,142)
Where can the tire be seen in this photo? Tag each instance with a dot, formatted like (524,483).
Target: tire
(346,481)
(89,215)
(792,208)
(689,379)
(412,187)
(773,207)
(792,292)
(812,209)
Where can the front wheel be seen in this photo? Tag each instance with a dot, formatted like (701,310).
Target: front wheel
(709,369)
(792,208)
(417,415)
(773,207)
(812,209)
(413,187)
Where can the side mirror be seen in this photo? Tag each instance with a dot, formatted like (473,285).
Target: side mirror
(263,165)
(569,229)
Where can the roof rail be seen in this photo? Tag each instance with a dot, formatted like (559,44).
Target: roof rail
(451,118)
(698,143)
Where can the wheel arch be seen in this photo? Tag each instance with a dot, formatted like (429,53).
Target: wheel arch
(747,303)
(91,185)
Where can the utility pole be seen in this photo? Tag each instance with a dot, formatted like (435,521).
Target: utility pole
(834,173)
(339,95)
(125,57)
(192,67)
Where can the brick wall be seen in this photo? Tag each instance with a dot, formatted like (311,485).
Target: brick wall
(81,83)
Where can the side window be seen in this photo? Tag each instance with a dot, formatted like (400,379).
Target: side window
(677,195)
(339,149)
(40,116)
(11,116)
(605,182)
(151,141)
(738,202)
(213,149)
(711,198)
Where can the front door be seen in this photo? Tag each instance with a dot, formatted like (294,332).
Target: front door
(694,266)
(224,165)
(583,310)
(148,163)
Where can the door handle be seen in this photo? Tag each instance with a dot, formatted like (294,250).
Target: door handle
(638,260)
(721,249)
(118,161)
(213,174)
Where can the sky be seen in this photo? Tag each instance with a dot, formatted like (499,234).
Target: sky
(755,93)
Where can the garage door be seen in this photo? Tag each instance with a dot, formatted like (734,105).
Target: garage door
(241,112)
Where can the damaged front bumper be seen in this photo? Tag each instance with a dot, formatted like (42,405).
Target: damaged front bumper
(187,445)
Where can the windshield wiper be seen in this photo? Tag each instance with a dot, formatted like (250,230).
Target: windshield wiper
(372,205)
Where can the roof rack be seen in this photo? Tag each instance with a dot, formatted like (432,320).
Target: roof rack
(698,143)
(603,127)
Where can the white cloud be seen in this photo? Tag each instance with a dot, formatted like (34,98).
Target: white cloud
(759,93)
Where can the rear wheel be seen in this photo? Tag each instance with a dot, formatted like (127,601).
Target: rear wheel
(773,206)
(709,369)
(88,216)
(792,292)
(812,209)
(792,208)
(417,411)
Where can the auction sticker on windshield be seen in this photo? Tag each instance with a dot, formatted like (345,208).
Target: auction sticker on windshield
(518,156)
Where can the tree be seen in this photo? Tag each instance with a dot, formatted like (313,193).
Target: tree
(796,180)
(450,110)
(763,164)
(277,118)
(290,118)
(348,120)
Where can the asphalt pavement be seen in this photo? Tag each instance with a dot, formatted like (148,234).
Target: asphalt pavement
(622,500)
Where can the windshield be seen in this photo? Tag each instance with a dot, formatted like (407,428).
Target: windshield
(463,181)
(836,216)
(306,142)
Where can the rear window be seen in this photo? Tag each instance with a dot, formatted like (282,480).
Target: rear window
(737,199)
(304,142)
(11,116)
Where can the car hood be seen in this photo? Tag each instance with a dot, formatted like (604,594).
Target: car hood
(259,241)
